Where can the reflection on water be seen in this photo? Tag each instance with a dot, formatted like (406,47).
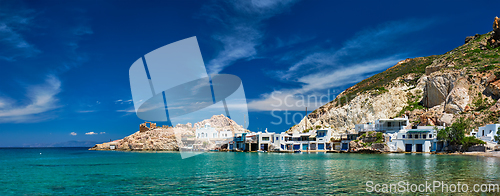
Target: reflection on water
(77,171)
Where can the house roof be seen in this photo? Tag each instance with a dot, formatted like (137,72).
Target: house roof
(419,131)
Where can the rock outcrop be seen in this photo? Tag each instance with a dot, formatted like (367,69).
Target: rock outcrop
(494,41)
(165,138)
(369,143)
(221,122)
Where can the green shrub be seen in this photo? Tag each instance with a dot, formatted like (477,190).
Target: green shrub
(378,81)
(486,68)
(380,137)
(497,137)
(467,142)
(455,133)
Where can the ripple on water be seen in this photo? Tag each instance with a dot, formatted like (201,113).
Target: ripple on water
(231,173)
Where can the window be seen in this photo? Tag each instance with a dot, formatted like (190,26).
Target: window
(416,136)
(265,138)
(409,136)
(430,135)
(403,136)
(424,136)
(277,138)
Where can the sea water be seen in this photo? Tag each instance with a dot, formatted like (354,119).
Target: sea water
(77,171)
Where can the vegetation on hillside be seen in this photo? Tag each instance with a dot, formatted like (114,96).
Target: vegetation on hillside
(370,135)
(475,56)
(497,137)
(378,82)
(455,134)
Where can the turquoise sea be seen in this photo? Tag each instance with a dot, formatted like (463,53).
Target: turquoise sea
(77,171)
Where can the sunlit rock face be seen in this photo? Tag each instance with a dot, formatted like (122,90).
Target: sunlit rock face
(153,138)
(464,82)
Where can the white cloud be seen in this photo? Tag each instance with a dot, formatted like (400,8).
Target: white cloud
(91,133)
(363,44)
(242,28)
(13,22)
(347,75)
(73,133)
(127,111)
(102,133)
(120,101)
(42,99)
(319,72)
(317,88)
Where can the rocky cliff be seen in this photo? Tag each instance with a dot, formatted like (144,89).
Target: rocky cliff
(166,138)
(433,90)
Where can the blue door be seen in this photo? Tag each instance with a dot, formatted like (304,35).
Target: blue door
(321,146)
(345,146)
(408,147)
(296,146)
(419,147)
(305,146)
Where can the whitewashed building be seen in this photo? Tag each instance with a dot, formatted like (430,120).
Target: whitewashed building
(206,132)
(226,134)
(421,139)
(384,125)
(488,132)
(265,140)
(317,140)
(391,125)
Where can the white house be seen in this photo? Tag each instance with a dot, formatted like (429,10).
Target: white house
(322,138)
(226,134)
(384,125)
(206,132)
(421,139)
(488,132)
(391,125)
(317,140)
(265,140)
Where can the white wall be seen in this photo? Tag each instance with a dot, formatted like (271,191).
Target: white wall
(206,132)
(226,134)
(488,130)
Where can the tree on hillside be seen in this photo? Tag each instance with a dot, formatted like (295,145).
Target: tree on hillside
(497,137)
(455,134)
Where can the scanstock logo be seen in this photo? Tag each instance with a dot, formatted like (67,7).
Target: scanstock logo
(171,85)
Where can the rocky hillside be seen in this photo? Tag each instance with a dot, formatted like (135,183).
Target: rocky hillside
(220,122)
(464,82)
(167,138)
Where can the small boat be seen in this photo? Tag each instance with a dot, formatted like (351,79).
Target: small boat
(297,151)
(261,151)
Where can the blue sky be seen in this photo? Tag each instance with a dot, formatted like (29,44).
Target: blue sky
(64,64)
